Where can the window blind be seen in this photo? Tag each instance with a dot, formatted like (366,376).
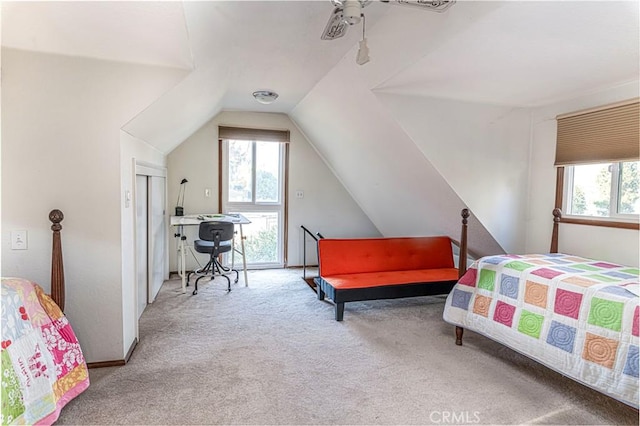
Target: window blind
(607,134)
(241,133)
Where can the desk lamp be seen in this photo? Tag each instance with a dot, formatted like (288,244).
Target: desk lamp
(181,191)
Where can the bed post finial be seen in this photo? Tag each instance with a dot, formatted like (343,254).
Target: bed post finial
(57,269)
(462,259)
(465,215)
(557,216)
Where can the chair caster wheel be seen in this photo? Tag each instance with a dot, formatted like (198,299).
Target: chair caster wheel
(195,292)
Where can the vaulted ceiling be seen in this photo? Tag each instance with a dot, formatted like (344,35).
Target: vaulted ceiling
(480,60)
(506,53)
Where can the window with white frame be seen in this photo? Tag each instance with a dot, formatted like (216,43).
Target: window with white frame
(597,156)
(603,190)
(254,172)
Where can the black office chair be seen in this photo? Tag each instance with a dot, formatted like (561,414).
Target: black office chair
(215,239)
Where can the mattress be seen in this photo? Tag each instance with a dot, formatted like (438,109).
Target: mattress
(575,315)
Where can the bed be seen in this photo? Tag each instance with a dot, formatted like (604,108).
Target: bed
(43,367)
(575,315)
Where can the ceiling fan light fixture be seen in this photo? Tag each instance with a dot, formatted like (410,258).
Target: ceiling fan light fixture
(352,12)
(265,96)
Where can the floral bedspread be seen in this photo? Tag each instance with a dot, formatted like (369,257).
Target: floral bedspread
(578,316)
(42,364)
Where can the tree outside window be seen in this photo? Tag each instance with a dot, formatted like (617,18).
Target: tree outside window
(604,190)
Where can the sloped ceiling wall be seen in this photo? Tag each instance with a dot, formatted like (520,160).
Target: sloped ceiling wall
(385,128)
(481,151)
(181,111)
(389,177)
(239,47)
(440,117)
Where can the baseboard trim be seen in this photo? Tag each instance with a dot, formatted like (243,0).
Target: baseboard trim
(130,351)
(104,364)
(175,274)
(116,362)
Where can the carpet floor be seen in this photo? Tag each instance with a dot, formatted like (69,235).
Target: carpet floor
(272,353)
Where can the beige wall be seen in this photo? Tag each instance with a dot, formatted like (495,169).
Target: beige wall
(326,207)
(61,121)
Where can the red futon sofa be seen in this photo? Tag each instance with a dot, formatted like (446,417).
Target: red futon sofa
(383,268)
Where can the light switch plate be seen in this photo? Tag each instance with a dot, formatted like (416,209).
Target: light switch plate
(18,240)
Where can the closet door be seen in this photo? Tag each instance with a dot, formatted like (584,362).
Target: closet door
(142,214)
(157,235)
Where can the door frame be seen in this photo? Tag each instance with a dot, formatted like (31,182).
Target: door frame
(142,168)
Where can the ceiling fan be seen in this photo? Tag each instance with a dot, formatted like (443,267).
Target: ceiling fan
(349,12)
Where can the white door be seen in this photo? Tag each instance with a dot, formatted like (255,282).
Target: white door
(157,235)
(142,251)
(151,237)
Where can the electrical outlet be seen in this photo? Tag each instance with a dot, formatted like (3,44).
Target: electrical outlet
(299,194)
(18,240)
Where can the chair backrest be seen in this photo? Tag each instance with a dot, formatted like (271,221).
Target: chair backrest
(208,231)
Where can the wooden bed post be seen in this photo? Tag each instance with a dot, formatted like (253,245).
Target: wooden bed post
(57,268)
(557,215)
(462,259)
(462,263)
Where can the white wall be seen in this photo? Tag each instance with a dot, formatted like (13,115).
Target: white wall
(482,151)
(383,168)
(326,207)
(132,150)
(61,149)
(615,245)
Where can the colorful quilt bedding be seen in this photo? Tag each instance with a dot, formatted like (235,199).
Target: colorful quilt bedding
(577,316)
(42,364)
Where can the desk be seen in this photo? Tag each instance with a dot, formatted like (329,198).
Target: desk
(194,220)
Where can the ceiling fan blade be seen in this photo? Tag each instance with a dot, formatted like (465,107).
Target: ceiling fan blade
(336,27)
(432,5)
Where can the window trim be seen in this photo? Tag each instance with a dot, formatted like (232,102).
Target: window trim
(614,222)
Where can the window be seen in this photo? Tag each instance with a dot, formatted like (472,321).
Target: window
(254,168)
(597,153)
(603,190)
(253,182)
(255,185)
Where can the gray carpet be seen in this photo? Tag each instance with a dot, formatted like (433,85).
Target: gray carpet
(273,354)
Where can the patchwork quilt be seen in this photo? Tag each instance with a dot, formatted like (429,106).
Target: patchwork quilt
(42,364)
(575,315)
